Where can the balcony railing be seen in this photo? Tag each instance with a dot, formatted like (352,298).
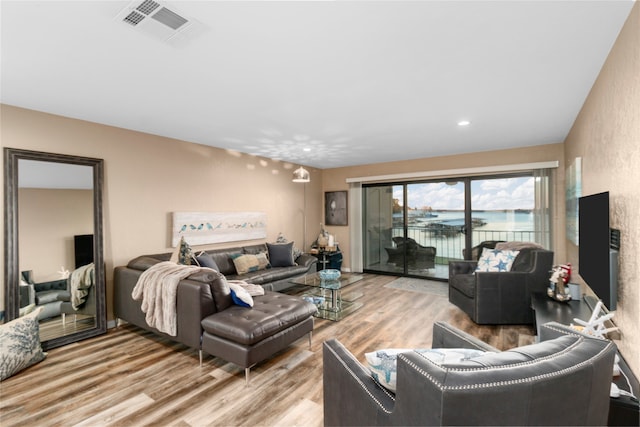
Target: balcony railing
(449,245)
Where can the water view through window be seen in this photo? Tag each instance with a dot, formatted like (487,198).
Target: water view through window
(416,228)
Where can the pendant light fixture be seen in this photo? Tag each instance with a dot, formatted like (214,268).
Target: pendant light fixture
(301,175)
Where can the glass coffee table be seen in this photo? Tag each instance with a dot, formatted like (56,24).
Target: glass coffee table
(327,295)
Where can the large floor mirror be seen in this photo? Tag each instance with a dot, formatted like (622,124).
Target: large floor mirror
(54,259)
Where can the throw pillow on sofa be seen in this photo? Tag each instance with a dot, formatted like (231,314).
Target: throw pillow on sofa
(240,296)
(281,254)
(206,260)
(246,263)
(183,253)
(383,363)
(281,239)
(496,260)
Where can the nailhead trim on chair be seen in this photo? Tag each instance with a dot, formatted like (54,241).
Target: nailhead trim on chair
(501,383)
(355,377)
(423,372)
(569,331)
(517,364)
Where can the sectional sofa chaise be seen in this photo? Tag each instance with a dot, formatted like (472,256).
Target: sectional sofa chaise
(207,317)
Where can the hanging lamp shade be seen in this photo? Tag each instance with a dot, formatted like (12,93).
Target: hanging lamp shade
(301,175)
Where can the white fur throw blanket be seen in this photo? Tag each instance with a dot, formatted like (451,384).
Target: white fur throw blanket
(157,287)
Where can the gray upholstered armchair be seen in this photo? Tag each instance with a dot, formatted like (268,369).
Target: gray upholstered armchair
(531,385)
(499,298)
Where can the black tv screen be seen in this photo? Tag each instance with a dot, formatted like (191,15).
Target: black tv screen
(83,249)
(594,247)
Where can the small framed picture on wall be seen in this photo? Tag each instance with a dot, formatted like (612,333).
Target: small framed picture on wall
(335,208)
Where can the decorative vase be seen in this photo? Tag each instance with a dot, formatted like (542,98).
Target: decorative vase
(558,291)
(329,274)
(574,291)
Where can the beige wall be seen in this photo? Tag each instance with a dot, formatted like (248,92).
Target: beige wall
(49,218)
(148,177)
(335,179)
(606,134)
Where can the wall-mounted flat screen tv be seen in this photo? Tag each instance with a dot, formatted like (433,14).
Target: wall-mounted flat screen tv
(598,263)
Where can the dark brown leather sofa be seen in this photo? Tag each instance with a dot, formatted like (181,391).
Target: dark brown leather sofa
(208,320)
(271,279)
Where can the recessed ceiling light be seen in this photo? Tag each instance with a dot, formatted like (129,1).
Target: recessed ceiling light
(464,123)
(306,149)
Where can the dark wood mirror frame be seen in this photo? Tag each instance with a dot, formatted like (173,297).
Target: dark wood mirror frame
(11,262)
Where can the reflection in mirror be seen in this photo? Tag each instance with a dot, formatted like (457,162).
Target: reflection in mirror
(54,259)
(56,218)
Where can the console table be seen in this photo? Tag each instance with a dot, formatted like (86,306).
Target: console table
(548,310)
(622,410)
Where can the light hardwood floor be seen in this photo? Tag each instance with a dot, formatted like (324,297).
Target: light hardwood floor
(130,377)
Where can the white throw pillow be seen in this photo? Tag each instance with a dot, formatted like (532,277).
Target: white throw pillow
(496,260)
(382,363)
(240,295)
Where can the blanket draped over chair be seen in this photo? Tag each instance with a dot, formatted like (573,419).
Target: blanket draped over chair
(157,287)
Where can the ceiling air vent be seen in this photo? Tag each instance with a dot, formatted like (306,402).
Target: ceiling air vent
(159,21)
(134,18)
(147,6)
(169,18)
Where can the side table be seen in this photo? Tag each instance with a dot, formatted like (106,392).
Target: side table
(548,310)
(328,259)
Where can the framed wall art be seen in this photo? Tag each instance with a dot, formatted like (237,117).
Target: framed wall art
(573,183)
(202,228)
(335,208)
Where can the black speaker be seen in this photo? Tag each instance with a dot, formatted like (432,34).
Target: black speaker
(83,246)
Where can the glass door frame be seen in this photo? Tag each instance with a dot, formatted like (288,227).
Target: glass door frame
(468,212)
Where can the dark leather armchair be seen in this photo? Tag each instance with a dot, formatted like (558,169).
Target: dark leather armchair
(500,298)
(418,257)
(530,385)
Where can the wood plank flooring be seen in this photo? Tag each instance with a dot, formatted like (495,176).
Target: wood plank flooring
(130,377)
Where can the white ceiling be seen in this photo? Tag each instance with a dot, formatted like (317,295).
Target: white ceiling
(355,82)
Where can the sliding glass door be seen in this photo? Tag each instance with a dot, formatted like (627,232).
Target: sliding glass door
(412,229)
(415,228)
